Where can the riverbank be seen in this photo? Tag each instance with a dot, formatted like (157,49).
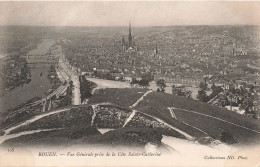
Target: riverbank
(35,87)
(14,71)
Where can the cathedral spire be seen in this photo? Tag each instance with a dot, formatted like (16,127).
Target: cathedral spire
(156,48)
(130,39)
(130,33)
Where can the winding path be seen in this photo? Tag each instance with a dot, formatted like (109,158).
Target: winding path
(76,91)
(11,136)
(174,117)
(141,98)
(94,114)
(130,117)
(189,137)
(7,131)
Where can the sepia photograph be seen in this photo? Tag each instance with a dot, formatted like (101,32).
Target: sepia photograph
(130,83)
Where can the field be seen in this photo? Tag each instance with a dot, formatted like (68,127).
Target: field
(123,97)
(210,125)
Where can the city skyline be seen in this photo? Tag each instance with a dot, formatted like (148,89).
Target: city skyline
(88,13)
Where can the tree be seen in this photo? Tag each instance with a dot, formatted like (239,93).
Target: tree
(251,88)
(226,137)
(232,89)
(95,74)
(144,82)
(215,92)
(203,86)
(147,76)
(174,90)
(121,78)
(213,86)
(231,96)
(108,76)
(134,81)
(161,84)
(202,96)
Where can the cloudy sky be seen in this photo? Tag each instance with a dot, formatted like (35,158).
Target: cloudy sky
(87,13)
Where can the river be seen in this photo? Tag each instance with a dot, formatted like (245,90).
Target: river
(37,87)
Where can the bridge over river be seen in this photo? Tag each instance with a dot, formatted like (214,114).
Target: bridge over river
(39,61)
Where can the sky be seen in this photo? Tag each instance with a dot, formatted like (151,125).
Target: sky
(119,13)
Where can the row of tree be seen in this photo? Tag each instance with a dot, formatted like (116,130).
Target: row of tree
(161,85)
(66,101)
(142,82)
(86,87)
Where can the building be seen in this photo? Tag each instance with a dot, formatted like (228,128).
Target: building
(130,38)
(188,81)
(129,46)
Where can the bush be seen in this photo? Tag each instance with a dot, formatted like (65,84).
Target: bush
(226,137)
(2,132)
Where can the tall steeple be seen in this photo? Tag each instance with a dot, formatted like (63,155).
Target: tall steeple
(156,48)
(130,35)
(130,40)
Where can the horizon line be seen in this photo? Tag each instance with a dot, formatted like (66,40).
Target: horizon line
(133,26)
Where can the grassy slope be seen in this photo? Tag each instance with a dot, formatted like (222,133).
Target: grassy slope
(125,136)
(165,116)
(156,104)
(76,116)
(214,127)
(211,126)
(123,97)
(134,137)
(13,119)
(107,116)
(61,137)
(79,116)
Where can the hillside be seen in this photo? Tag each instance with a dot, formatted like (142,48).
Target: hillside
(123,97)
(143,111)
(210,120)
(80,117)
(57,138)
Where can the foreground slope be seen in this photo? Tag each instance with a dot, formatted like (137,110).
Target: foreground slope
(169,115)
(210,120)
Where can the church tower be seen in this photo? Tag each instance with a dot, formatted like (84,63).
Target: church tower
(130,38)
(156,48)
